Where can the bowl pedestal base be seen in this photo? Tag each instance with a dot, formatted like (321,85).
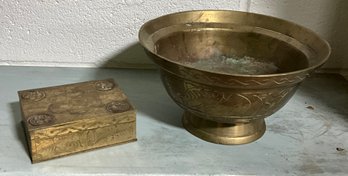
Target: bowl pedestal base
(224,133)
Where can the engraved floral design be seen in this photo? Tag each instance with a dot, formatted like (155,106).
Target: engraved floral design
(208,100)
(234,81)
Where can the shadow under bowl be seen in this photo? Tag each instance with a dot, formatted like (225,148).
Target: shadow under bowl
(229,70)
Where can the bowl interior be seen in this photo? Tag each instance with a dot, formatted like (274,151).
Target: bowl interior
(230,51)
(233,42)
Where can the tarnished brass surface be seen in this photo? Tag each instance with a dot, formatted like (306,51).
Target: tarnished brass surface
(72,118)
(230,108)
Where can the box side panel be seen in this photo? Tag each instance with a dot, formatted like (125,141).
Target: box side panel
(26,131)
(27,138)
(73,139)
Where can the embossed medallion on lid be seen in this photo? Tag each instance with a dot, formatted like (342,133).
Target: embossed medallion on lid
(41,119)
(33,95)
(104,85)
(117,106)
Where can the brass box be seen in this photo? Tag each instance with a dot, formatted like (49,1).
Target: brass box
(77,117)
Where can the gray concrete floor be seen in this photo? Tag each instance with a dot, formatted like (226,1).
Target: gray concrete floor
(309,135)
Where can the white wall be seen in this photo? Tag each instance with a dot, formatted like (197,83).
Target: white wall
(82,32)
(104,33)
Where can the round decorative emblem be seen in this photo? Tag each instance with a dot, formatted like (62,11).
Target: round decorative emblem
(41,119)
(118,106)
(34,95)
(104,85)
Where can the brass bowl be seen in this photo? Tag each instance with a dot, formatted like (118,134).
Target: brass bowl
(229,107)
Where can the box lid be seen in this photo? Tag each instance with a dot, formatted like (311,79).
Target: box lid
(68,104)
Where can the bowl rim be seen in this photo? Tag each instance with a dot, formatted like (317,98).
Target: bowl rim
(308,69)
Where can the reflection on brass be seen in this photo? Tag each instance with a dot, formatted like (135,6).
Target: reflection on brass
(224,106)
(75,118)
